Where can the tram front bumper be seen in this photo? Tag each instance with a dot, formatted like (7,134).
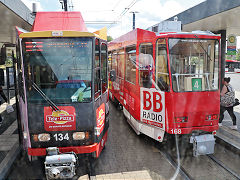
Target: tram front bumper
(94,148)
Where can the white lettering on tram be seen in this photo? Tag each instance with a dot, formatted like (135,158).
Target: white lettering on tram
(153,107)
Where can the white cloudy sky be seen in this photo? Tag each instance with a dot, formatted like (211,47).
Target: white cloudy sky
(150,12)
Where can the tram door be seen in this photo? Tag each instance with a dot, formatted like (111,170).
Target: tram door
(22,116)
(100,78)
(162,75)
(130,79)
(120,75)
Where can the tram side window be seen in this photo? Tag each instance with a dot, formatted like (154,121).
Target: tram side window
(130,72)
(214,82)
(145,64)
(162,75)
(97,81)
(120,63)
(109,60)
(104,67)
(114,61)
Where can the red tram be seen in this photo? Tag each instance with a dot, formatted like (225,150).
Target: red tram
(168,83)
(62,91)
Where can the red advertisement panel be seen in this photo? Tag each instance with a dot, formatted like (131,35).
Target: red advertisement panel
(100,113)
(63,120)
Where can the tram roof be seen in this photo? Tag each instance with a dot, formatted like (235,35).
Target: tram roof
(138,35)
(131,38)
(44,34)
(63,21)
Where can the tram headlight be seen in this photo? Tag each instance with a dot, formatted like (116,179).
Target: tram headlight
(80,135)
(41,137)
(212,117)
(181,119)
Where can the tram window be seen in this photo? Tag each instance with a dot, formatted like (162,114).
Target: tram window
(215,78)
(109,60)
(130,68)
(97,53)
(60,67)
(120,63)
(97,80)
(193,65)
(114,61)
(145,64)
(162,75)
(104,67)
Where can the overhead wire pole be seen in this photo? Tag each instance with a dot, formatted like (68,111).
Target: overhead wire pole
(134,18)
(64,4)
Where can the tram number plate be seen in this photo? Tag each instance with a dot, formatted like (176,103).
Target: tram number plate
(176,131)
(61,137)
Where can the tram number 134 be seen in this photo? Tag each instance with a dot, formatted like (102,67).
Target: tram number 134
(176,131)
(61,137)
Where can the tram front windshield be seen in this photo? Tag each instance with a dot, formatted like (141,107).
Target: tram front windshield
(194,64)
(59,68)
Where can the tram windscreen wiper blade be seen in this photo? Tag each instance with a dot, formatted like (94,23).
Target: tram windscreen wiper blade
(49,101)
(203,47)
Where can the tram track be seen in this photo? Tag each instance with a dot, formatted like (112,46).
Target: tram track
(175,163)
(177,166)
(220,163)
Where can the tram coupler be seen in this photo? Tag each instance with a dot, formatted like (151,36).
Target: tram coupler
(202,144)
(59,166)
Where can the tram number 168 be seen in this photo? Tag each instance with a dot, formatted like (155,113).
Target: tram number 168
(61,137)
(176,131)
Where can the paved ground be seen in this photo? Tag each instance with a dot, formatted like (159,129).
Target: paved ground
(9,147)
(126,156)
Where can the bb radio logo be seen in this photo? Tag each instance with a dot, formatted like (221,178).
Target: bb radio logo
(153,107)
(62,120)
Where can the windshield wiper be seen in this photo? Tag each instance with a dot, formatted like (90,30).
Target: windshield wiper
(49,101)
(203,47)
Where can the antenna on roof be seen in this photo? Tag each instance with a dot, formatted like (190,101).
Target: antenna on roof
(34,9)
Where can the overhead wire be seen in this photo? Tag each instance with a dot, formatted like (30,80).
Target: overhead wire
(116,21)
(124,12)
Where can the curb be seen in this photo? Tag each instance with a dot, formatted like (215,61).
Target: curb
(9,160)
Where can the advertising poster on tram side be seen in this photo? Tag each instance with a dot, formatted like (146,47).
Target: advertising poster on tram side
(153,107)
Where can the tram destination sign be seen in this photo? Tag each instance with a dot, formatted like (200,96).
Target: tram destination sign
(153,107)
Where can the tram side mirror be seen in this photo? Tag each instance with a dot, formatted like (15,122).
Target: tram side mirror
(1,77)
(3,56)
(112,75)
